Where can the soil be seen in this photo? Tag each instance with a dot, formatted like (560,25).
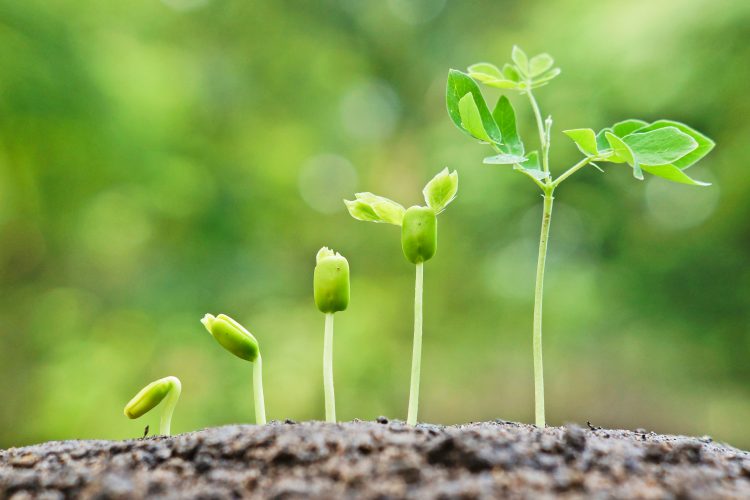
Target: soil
(381,459)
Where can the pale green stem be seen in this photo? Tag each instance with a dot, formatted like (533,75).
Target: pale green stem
(260,404)
(165,424)
(416,356)
(572,170)
(328,370)
(538,297)
(540,126)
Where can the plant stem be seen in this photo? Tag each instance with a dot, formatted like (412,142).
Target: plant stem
(416,356)
(540,126)
(538,297)
(260,404)
(328,370)
(572,170)
(165,423)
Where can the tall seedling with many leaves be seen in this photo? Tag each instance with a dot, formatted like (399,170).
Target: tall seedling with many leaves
(663,148)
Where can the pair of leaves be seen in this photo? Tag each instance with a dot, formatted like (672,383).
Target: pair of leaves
(469,112)
(525,73)
(468,109)
(663,148)
(438,194)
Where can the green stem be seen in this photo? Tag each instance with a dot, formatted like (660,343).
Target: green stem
(328,370)
(416,356)
(260,405)
(540,126)
(538,297)
(572,170)
(165,423)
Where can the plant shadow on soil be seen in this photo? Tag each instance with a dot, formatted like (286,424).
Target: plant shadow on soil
(381,459)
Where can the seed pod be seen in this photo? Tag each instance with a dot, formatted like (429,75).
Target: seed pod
(150,396)
(331,281)
(232,336)
(419,234)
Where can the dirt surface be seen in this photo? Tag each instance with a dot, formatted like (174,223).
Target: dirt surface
(381,459)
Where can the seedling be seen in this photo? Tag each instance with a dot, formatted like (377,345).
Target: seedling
(418,242)
(663,148)
(150,396)
(331,293)
(236,339)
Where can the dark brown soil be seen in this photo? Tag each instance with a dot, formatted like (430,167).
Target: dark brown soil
(381,460)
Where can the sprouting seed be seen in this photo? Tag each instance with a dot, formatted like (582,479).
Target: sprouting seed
(331,294)
(150,396)
(418,242)
(236,339)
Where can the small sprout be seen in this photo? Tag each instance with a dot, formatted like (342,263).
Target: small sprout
(419,224)
(331,281)
(150,396)
(663,148)
(331,293)
(236,339)
(419,234)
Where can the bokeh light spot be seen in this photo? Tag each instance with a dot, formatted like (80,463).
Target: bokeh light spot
(325,180)
(370,111)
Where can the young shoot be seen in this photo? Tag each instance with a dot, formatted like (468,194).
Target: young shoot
(331,293)
(418,242)
(151,395)
(663,148)
(236,339)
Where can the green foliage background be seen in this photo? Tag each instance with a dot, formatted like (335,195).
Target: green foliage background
(161,160)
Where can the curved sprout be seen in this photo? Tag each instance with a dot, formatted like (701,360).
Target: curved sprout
(236,339)
(151,395)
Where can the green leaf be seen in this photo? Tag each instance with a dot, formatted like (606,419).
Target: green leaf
(386,210)
(623,152)
(585,139)
(504,159)
(601,140)
(660,146)
(501,84)
(545,78)
(625,127)
(673,173)
(532,161)
(361,211)
(441,190)
(532,167)
(471,120)
(511,73)
(459,85)
(519,57)
(705,145)
(505,117)
(539,64)
(485,71)
(536,173)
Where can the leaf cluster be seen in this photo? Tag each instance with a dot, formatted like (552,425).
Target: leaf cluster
(663,148)
(438,193)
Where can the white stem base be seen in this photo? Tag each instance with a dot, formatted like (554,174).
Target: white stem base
(328,370)
(416,356)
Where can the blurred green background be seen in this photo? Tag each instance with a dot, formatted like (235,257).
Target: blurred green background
(164,159)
